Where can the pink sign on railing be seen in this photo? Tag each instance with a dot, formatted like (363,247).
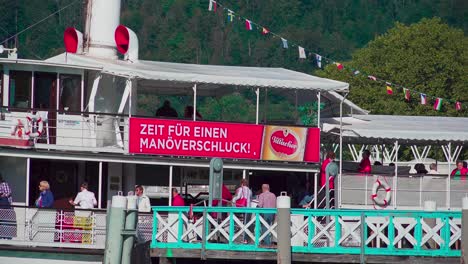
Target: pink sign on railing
(223,140)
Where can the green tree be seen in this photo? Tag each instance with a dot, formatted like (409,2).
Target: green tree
(429,57)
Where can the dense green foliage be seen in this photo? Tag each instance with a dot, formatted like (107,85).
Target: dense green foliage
(428,57)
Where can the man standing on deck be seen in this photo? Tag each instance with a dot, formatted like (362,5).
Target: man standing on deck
(85,199)
(143,202)
(267,199)
(331,173)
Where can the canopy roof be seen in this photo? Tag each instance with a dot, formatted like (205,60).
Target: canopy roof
(188,74)
(410,129)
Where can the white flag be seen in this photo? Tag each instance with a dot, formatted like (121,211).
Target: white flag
(212,7)
(302,54)
(318,58)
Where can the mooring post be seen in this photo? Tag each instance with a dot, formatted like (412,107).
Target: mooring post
(464,239)
(114,238)
(131,220)
(283,203)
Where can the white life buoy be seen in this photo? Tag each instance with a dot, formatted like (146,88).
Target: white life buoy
(381,184)
(17,129)
(28,126)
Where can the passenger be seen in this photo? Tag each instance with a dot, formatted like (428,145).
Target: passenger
(84,199)
(267,199)
(459,171)
(433,169)
(5,194)
(330,156)
(177,200)
(365,165)
(332,175)
(166,110)
(420,168)
(46,198)
(306,196)
(377,163)
(391,164)
(143,202)
(226,196)
(243,198)
(188,113)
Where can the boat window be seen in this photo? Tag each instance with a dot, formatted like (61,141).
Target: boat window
(45,90)
(20,89)
(70,93)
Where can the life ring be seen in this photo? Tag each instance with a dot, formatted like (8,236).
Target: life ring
(28,126)
(17,129)
(381,184)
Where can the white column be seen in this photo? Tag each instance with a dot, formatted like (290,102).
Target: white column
(57,92)
(257,92)
(130,83)
(28,175)
(195,102)
(6,87)
(318,109)
(82,92)
(395,182)
(32,90)
(244,173)
(94,90)
(170,185)
(100,186)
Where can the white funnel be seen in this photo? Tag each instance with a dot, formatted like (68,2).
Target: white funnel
(102,17)
(73,40)
(127,42)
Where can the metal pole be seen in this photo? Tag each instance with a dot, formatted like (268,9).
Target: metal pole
(32,90)
(318,109)
(244,173)
(315,190)
(396,176)
(464,238)
(194,102)
(100,186)
(130,98)
(130,228)
(283,203)
(28,175)
(257,92)
(114,238)
(170,185)
(447,197)
(57,92)
(341,150)
(363,239)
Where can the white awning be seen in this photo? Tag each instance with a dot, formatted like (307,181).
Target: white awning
(388,128)
(204,74)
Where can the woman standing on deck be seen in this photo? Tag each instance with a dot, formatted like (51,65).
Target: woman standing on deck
(365,165)
(323,176)
(46,198)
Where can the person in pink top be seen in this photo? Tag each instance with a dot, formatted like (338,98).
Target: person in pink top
(267,199)
(177,200)
(459,172)
(323,175)
(365,165)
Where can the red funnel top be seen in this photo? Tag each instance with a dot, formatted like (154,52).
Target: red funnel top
(71,40)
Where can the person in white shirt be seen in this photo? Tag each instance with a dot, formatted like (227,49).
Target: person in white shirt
(84,199)
(143,201)
(433,168)
(244,194)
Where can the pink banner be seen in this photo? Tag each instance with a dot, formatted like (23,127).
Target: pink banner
(196,139)
(223,140)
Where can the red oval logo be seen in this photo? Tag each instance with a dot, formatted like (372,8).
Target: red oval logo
(284,143)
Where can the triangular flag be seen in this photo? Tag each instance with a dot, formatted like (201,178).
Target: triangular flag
(212,6)
(339,66)
(318,58)
(372,77)
(265,31)
(423,99)
(458,106)
(438,104)
(302,54)
(248,24)
(389,88)
(407,94)
(285,43)
(230,16)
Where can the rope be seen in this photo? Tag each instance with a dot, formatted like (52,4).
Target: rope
(39,22)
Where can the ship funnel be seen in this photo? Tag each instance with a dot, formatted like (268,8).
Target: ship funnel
(127,42)
(102,17)
(73,40)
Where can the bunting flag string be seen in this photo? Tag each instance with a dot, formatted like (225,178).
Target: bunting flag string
(320,59)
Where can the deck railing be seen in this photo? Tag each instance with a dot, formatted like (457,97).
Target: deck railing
(371,232)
